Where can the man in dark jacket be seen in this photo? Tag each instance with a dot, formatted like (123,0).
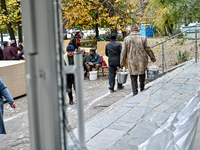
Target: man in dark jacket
(113,51)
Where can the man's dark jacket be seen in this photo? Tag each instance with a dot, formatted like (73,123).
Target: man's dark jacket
(113,51)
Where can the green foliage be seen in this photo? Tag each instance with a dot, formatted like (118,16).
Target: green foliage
(183,56)
(167,14)
(181,41)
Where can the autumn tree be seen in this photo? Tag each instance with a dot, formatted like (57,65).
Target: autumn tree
(10,14)
(91,14)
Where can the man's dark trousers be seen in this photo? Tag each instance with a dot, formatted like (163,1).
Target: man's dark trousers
(70,82)
(134,82)
(112,74)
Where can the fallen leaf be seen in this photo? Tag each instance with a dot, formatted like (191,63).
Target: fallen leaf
(111,108)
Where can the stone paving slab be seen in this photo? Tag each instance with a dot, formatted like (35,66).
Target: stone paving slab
(144,129)
(142,115)
(106,138)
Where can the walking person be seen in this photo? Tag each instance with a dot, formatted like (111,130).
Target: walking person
(6,94)
(113,51)
(136,51)
(69,60)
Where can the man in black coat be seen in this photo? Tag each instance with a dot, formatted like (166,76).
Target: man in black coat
(113,51)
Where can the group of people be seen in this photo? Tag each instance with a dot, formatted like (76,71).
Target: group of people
(10,51)
(89,61)
(134,52)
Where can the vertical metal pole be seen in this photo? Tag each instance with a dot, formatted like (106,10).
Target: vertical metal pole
(41,74)
(78,62)
(196,47)
(163,59)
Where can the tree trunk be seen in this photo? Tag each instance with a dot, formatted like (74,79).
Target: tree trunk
(142,9)
(97,30)
(64,32)
(114,31)
(11,31)
(19,24)
(169,30)
(9,25)
(97,26)
(1,37)
(20,36)
(124,34)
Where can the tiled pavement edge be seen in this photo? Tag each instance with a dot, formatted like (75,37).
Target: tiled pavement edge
(130,121)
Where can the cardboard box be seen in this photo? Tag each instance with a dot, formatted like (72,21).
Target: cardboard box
(13,75)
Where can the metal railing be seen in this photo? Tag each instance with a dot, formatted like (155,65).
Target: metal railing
(167,59)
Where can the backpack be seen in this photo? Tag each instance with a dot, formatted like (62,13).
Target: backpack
(73,42)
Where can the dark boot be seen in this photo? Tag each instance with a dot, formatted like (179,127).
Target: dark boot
(135,93)
(141,89)
(70,98)
(71,102)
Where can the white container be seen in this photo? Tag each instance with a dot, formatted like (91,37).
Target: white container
(152,72)
(93,75)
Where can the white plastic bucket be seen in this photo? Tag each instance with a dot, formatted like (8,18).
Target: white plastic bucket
(93,75)
(152,72)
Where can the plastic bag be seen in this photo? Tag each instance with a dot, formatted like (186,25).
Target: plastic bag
(153,68)
(164,134)
(189,108)
(185,132)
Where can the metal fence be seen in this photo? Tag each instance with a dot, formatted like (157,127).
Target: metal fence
(176,50)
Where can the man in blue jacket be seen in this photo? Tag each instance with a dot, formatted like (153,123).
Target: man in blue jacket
(6,94)
(113,51)
(94,60)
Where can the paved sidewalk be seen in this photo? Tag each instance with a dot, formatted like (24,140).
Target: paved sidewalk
(132,120)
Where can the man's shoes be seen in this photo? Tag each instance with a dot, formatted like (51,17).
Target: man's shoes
(135,93)
(111,91)
(142,89)
(120,88)
(71,102)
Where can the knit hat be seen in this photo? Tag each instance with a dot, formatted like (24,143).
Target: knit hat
(134,28)
(5,43)
(82,50)
(93,49)
(113,36)
(12,41)
(70,48)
